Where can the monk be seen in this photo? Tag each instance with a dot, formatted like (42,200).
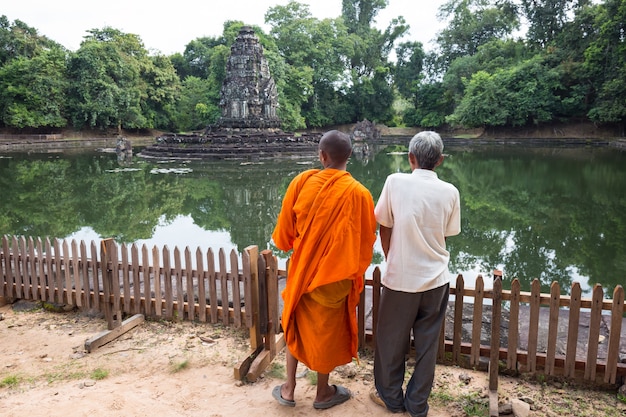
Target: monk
(327,218)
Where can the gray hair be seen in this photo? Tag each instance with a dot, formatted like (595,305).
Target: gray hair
(427,147)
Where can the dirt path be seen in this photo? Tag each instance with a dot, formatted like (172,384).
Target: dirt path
(186,369)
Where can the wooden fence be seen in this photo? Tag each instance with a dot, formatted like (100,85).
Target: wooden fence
(150,282)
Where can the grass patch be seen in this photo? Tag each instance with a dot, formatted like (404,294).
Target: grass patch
(99,374)
(10,381)
(277,371)
(312,378)
(180,366)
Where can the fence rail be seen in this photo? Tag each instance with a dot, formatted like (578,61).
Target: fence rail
(583,338)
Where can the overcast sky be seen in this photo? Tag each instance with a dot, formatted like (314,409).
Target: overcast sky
(168,27)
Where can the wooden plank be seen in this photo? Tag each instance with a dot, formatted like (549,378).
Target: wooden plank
(477,320)
(553,327)
(6,290)
(106,282)
(95,274)
(19,281)
(43,291)
(271,280)
(125,268)
(572,331)
(513,337)
(496,318)
(251,270)
(262,361)
(22,254)
(180,287)
(201,287)
(212,276)
(458,320)
(222,274)
(533,328)
(262,281)
(167,284)
(76,278)
(190,290)
(107,336)
(135,279)
(115,282)
(58,271)
(34,274)
(241,370)
(147,282)
(84,271)
(65,262)
(610,375)
(234,274)
(156,268)
(594,333)
(50,273)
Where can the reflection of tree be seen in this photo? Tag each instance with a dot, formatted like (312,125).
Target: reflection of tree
(520,201)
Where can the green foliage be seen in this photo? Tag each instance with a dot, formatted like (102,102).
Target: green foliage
(10,381)
(99,373)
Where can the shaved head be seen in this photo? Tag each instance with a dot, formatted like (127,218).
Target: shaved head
(337,145)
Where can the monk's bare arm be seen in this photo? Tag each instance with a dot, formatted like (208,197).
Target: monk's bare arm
(385,238)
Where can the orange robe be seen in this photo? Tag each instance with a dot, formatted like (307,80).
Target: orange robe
(327,218)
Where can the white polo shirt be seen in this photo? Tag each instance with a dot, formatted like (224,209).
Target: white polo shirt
(422,210)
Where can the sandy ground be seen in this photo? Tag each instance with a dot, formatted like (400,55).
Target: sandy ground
(182,369)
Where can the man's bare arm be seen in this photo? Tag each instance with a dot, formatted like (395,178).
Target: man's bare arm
(385,238)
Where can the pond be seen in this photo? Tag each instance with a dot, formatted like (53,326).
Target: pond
(552,213)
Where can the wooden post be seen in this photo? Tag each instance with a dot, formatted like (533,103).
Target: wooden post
(111,314)
(494,360)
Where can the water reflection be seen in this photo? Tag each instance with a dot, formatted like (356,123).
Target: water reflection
(556,214)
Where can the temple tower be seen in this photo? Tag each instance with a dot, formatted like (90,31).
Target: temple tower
(248,98)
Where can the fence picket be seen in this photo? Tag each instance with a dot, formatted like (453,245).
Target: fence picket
(148,309)
(180,288)
(167,284)
(95,275)
(6,289)
(82,264)
(18,269)
(43,289)
(572,331)
(156,268)
(32,267)
(594,332)
(477,321)
(136,281)
(223,286)
(234,274)
(457,335)
(533,328)
(65,267)
(210,258)
(201,287)
(553,327)
(190,291)
(513,336)
(610,374)
(50,273)
(73,265)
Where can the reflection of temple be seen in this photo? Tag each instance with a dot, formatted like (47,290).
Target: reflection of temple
(249,126)
(248,96)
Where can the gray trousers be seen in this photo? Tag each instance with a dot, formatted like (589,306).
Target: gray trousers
(399,313)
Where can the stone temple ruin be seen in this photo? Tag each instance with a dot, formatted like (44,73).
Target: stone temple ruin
(249,126)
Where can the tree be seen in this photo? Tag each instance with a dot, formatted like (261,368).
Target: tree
(115,84)
(33,90)
(473,23)
(605,61)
